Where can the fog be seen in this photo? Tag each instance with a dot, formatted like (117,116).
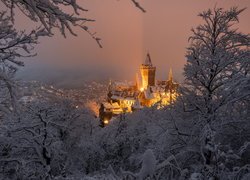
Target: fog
(127,35)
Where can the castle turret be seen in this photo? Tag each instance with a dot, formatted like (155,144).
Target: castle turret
(171,86)
(147,73)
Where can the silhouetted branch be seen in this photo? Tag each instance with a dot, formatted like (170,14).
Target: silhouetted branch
(138,5)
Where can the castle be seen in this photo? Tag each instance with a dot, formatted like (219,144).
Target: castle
(145,92)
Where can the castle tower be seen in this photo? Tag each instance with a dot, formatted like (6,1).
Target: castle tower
(147,73)
(137,82)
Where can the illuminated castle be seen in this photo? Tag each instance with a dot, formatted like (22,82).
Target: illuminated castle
(147,73)
(145,92)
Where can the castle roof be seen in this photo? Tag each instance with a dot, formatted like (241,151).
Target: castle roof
(148,61)
(137,105)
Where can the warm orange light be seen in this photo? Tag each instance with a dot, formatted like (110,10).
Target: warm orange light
(142,89)
(93,106)
(106,121)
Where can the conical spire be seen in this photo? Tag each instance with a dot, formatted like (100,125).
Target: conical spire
(170,75)
(110,84)
(148,61)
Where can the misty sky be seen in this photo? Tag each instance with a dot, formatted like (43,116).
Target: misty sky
(127,35)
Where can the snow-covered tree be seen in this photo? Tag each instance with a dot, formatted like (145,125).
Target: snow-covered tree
(40,143)
(217,66)
(49,13)
(52,14)
(13,45)
(216,77)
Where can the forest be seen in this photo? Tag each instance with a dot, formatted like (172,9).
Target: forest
(204,134)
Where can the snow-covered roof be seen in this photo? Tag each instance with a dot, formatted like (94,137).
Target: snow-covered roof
(115,97)
(148,94)
(130,98)
(137,105)
(111,106)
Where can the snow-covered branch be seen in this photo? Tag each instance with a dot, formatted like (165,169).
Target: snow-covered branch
(13,45)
